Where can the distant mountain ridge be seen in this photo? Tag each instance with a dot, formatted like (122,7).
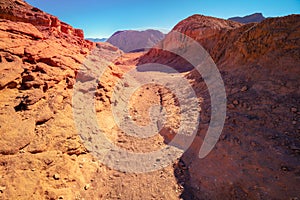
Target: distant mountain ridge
(134,41)
(256,17)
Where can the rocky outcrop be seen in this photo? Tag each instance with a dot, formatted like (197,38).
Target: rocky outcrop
(134,41)
(256,17)
(201,28)
(19,11)
(41,154)
(266,43)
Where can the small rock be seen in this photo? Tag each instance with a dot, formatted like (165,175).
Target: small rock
(231,106)
(235,102)
(61,197)
(295,148)
(12,85)
(253,143)
(2,188)
(70,82)
(116,175)
(285,168)
(56,176)
(87,186)
(245,88)
(20,3)
(48,161)
(294,110)
(126,85)
(83,52)
(294,122)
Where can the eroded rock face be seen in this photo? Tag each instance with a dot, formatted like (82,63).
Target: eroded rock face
(267,43)
(19,11)
(39,59)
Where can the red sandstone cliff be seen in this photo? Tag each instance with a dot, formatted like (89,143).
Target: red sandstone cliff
(20,11)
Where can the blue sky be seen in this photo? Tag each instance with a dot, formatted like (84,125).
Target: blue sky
(101,18)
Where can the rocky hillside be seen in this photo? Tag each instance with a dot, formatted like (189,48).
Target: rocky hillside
(41,154)
(257,156)
(134,41)
(203,29)
(256,17)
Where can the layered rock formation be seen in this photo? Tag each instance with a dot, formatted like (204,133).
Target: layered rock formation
(257,156)
(134,41)
(19,11)
(41,154)
(256,17)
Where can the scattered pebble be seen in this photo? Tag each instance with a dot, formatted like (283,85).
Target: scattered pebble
(87,186)
(235,102)
(295,148)
(253,143)
(20,2)
(2,188)
(245,88)
(294,110)
(231,106)
(22,151)
(285,168)
(56,176)
(116,175)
